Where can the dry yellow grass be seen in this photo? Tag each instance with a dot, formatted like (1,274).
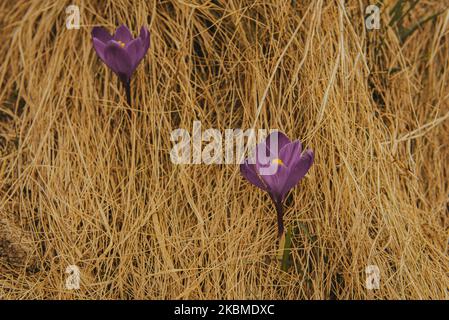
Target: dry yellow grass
(82,183)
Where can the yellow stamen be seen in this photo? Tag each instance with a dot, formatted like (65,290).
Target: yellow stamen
(122,44)
(278,161)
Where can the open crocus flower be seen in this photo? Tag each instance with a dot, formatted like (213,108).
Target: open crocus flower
(290,166)
(121,52)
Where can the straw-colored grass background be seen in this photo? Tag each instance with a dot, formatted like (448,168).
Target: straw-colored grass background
(82,183)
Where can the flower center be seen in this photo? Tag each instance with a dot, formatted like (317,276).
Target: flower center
(121,43)
(278,162)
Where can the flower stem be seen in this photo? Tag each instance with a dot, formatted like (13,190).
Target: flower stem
(280,216)
(127,85)
(285,250)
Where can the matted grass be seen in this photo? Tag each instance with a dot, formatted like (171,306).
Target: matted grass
(82,183)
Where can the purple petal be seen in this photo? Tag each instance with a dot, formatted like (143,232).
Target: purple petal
(282,141)
(266,153)
(248,171)
(263,155)
(99,48)
(123,34)
(145,38)
(275,182)
(293,169)
(290,153)
(298,170)
(118,60)
(135,51)
(101,34)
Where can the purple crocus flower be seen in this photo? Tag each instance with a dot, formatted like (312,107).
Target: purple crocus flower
(121,52)
(290,166)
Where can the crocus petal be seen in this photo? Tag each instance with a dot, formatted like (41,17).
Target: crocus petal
(262,155)
(145,38)
(298,170)
(135,51)
(282,141)
(99,48)
(290,152)
(123,34)
(289,155)
(276,182)
(118,60)
(101,34)
(248,171)
(266,153)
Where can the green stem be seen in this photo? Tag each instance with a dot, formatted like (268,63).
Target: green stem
(286,262)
